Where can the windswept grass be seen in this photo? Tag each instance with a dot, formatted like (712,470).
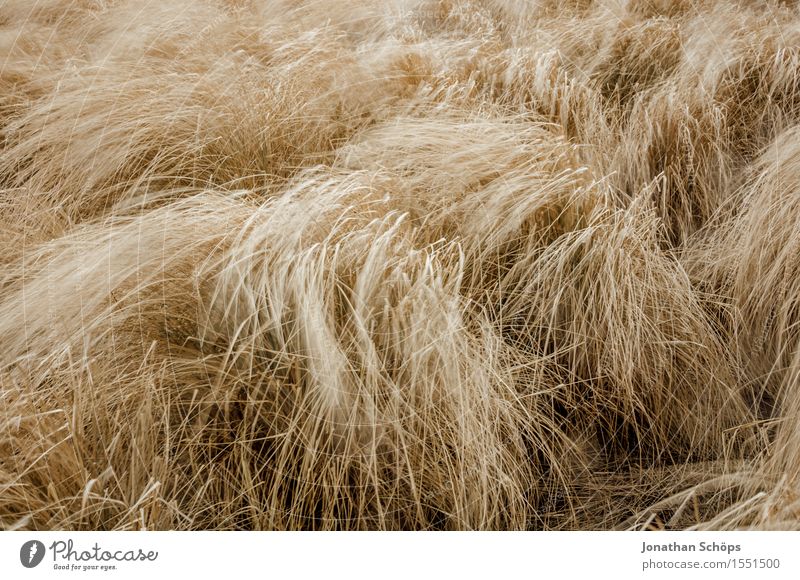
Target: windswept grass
(414,264)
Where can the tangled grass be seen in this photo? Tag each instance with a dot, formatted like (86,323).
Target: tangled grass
(411,264)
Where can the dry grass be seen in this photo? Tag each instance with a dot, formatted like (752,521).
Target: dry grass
(413,264)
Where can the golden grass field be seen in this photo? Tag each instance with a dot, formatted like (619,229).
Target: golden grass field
(400,264)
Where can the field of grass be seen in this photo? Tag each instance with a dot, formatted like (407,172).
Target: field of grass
(399,264)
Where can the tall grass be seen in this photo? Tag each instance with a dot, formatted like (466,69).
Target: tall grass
(414,264)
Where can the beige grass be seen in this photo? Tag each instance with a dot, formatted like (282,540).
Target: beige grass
(412,264)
